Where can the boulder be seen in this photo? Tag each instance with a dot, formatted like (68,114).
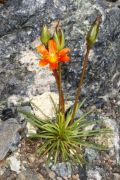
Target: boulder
(21,23)
(10,137)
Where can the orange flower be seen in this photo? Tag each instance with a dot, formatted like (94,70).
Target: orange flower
(52,56)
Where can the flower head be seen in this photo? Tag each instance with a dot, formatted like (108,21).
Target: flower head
(93,33)
(59,39)
(52,56)
(45,35)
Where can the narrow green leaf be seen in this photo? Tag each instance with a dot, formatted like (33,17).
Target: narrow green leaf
(50,128)
(81,119)
(45,136)
(87,123)
(54,105)
(57,151)
(68,119)
(95,132)
(31,117)
(91,145)
(40,150)
(81,104)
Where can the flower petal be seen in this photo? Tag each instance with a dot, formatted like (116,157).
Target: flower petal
(53,66)
(52,46)
(43,62)
(64,51)
(42,50)
(64,58)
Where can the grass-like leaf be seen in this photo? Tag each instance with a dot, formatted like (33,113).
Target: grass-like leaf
(54,105)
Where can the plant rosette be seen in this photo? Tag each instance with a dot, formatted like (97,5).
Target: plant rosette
(51,128)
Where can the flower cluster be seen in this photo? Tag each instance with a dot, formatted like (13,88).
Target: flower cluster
(52,50)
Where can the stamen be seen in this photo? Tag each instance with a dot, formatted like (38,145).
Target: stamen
(52,58)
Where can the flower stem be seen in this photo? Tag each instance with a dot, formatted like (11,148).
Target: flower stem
(59,71)
(82,76)
(59,86)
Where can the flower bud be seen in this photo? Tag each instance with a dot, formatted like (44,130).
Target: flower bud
(93,33)
(45,35)
(59,39)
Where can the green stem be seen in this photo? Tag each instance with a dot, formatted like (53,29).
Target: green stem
(83,74)
(60,102)
(59,86)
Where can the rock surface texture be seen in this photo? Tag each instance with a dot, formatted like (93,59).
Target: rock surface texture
(20,24)
(10,137)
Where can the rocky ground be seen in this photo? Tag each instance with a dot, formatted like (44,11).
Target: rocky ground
(18,158)
(21,79)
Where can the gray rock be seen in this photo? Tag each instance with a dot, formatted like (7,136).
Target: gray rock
(63,169)
(91,154)
(116,176)
(10,137)
(14,164)
(15,37)
(21,22)
(30,175)
(104,66)
(112,140)
(94,174)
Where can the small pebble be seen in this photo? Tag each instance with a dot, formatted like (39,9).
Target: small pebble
(7,113)
(59,178)
(31,158)
(75,177)
(65,178)
(51,174)
(40,177)
(116,176)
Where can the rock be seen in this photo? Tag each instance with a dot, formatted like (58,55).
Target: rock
(59,178)
(40,177)
(43,106)
(111,0)
(7,114)
(14,164)
(30,129)
(30,175)
(82,172)
(17,100)
(63,169)
(101,80)
(9,131)
(52,175)
(43,78)
(31,158)
(111,140)
(20,26)
(91,154)
(2,167)
(75,177)
(93,174)
(116,176)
